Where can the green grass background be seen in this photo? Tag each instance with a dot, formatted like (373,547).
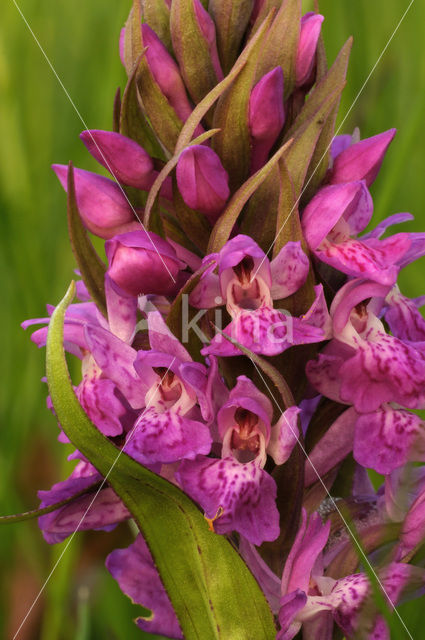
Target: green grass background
(38,126)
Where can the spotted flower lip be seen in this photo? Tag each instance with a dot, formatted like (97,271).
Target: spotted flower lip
(333,218)
(247,282)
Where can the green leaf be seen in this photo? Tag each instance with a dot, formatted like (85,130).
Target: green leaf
(233,142)
(157,16)
(133,122)
(231,18)
(36,513)
(133,45)
(224,225)
(91,267)
(191,50)
(281,44)
(212,591)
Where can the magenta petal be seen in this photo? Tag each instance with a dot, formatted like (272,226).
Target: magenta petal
(327,207)
(290,605)
(266,116)
(85,512)
(122,157)
(289,270)
(413,528)
(309,543)
(380,229)
(166,73)
(404,319)
(202,180)
(268,581)
(166,437)
(388,438)
(318,314)
(98,398)
(122,312)
(264,330)
(245,492)
(373,259)
(311,24)
(332,448)
(362,161)
(384,371)
(284,436)
(102,204)
(323,374)
(162,339)
(135,572)
(339,143)
(142,262)
(115,358)
(347,598)
(207,27)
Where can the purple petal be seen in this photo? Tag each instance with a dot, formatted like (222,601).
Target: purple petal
(323,374)
(318,314)
(373,259)
(268,581)
(207,27)
(122,157)
(388,438)
(98,398)
(328,206)
(362,161)
(413,528)
(115,358)
(309,543)
(403,318)
(347,598)
(339,143)
(122,312)
(166,73)
(266,116)
(332,448)
(141,262)
(386,370)
(264,330)
(284,436)
(289,270)
(166,437)
(245,395)
(381,228)
(162,339)
(202,180)
(102,204)
(290,605)
(135,572)
(245,493)
(311,24)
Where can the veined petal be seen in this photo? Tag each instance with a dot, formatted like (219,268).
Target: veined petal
(115,358)
(284,435)
(403,317)
(289,270)
(166,437)
(386,370)
(264,330)
(245,493)
(135,572)
(388,438)
(122,312)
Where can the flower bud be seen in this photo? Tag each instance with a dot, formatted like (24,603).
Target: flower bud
(103,206)
(141,262)
(266,115)
(202,181)
(306,55)
(122,157)
(207,27)
(166,73)
(362,161)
